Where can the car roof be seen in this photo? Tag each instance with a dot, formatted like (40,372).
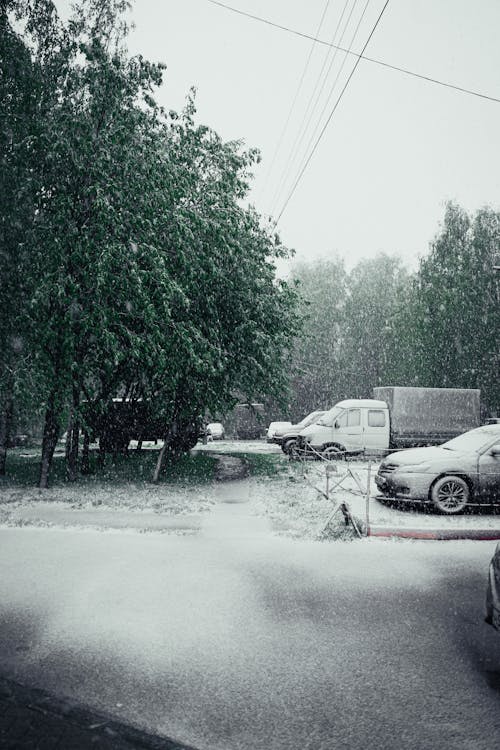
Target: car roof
(366,403)
(490,429)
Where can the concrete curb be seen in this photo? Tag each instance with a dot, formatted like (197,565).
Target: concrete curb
(436,534)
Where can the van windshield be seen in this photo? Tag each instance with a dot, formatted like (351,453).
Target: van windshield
(329,417)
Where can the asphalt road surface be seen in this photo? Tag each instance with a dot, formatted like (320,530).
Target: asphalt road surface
(232,638)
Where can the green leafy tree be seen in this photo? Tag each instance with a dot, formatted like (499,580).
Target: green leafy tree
(459,317)
(20,97)
(376,335)
(239,320)
(318,356)
(151,279)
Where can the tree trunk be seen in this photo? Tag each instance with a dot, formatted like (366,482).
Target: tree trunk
(5,428)
(72,455)
(164,452)
(50,435)
(85,465)
(69,430)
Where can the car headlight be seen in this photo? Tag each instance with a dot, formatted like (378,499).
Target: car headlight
(414,468)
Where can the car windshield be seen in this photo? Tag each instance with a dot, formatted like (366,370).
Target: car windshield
(307,420)
(473,440)
(329,417)
(311,418)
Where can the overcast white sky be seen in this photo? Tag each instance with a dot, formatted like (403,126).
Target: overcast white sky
(396,149)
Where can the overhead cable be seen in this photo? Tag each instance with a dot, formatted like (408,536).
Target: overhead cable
(301,173)
(412,73)
(332,87)
(297,92)
(314,97)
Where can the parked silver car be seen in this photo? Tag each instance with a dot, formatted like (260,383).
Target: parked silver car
(287,438)
(464,471)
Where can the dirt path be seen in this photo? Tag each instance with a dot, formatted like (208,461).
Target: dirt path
(230,468)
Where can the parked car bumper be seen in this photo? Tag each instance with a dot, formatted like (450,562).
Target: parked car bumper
(406,486)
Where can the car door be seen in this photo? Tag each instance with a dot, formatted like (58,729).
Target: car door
(353,430)
(489,473)
(376,429)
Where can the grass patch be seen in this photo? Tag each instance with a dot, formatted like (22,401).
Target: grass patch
(135,467)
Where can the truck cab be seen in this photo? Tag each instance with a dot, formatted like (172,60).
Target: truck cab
(350,426)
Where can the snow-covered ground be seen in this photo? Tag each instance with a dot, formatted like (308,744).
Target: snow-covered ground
(238,639)
(238,446)
(237,630)
(142,507)
(294,501)
(297,503)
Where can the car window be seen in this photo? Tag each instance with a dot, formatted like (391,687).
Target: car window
(474,440)
(342,419)
(354,418)
(376,418)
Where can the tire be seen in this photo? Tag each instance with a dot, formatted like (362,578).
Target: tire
(333,452)
(450,494)
(288,446)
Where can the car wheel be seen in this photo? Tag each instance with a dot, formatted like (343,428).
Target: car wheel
(333,452)
(450,494)
(288,446)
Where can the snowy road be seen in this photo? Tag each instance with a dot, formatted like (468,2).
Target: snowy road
(237,639)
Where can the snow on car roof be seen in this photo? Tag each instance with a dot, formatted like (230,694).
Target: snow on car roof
(367,403)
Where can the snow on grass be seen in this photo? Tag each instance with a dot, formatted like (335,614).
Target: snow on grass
(154,508)
(119,495)
(296,504)
(238,446)
(291,494)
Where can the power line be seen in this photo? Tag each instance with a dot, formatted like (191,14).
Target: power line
(292,191)
(299,87)
(308,114)
(332,88)
(312,104)
(303,35)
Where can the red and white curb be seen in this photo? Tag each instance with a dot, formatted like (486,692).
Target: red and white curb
(436,534)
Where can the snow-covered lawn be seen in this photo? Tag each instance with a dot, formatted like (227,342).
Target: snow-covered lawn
(292,497)
(174,509)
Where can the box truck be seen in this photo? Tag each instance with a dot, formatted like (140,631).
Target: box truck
(396,417)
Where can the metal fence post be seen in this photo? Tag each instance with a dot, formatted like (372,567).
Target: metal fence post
(368,499)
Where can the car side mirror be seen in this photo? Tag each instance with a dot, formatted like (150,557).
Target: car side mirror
(336,424)
(495,451)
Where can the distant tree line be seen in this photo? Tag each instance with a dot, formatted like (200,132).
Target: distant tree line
(128,266)
(381,325)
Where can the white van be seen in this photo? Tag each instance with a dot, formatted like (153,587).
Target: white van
(352,425)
